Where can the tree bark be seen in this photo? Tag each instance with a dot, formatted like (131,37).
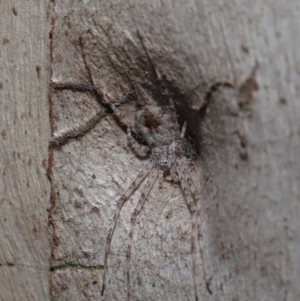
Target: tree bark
(232,70)
(24,188)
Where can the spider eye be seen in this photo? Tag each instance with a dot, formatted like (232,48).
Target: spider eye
(164,163)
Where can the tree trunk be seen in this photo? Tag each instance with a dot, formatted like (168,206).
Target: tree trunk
(232,72)
(25,239)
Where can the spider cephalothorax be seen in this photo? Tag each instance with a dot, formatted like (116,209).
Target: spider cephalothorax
(158,127)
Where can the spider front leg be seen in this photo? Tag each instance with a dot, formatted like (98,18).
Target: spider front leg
(85,87)
(125,196)
(78,132)
(141,151)
(105,99)
(148,186)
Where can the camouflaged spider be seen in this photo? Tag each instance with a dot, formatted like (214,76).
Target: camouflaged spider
(166,146)
(159,128)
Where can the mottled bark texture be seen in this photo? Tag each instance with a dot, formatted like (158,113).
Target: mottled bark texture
(25,236)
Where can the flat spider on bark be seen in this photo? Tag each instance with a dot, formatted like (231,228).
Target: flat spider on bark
(166,147)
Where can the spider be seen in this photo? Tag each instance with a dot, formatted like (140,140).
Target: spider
(159,128)
(166,147)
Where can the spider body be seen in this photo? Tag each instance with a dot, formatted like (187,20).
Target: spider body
(157,126)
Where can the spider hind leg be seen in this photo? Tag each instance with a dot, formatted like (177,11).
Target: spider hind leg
(125,196)
(147,188)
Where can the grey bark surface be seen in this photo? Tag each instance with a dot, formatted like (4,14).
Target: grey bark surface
(24,124)
(247,135)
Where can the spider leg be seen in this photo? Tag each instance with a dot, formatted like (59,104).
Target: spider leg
(96,88)
(183,130)
(87,87)
(182,168)
(161,178)
(173,111)
(140,150)
(157,73)
(104,97)
(143,97)
(81,87)
(148,186)
(125,196)
(78,132)
(182,173)
(149,56)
